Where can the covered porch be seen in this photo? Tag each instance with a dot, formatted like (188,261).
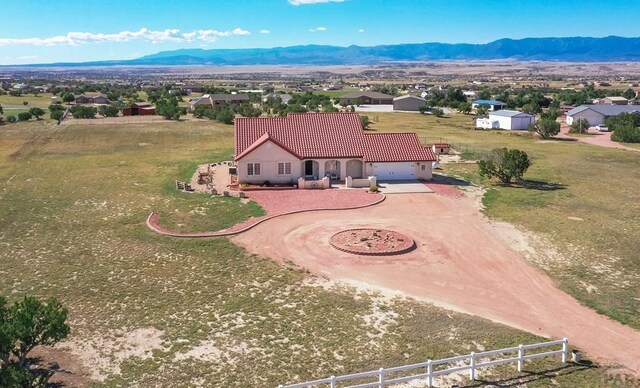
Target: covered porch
(334,169)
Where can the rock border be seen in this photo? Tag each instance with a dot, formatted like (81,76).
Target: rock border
(152,222)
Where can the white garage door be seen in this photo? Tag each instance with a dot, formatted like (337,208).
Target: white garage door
(394,171)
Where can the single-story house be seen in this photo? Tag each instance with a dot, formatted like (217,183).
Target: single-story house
(469,94)
(596,114)
(317,145)
(193,88)
(139,109)
(100,99)
(366,98)
(408,103)
(613,100)
(217,100)
(493,104)
(506,119)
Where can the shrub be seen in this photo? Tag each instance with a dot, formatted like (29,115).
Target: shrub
(437,112)
(545,127)
(505,164)
(626,134)
(11,119)
(374,189)
(579,126)
(24,116)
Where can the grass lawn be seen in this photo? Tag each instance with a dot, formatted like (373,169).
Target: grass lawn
(588,213)
(43,100)
(148,310)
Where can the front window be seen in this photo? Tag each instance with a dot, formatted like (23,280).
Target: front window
(253,169)
(284,168)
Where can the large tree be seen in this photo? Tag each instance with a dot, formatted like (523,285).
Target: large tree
(505,164)
(168,108)
(23,326)
(545,127)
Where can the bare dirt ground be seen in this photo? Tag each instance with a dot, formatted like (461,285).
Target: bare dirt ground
(602,139)
(461,263)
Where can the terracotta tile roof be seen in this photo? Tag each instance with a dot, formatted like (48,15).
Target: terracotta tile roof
(395,147)
(327,135)
(441,145)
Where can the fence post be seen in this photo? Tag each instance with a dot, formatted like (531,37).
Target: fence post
(472,371)
(520,355)
(381,379)
(430,373)
(333,382)
(565,349)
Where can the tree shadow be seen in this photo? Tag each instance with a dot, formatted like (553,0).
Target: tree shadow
(532,376)
(449,180)
(565,139)
(542,186)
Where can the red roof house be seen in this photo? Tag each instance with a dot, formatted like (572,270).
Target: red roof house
(315,145)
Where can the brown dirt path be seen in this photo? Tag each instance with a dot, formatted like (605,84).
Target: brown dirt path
(460,264)
(602,139)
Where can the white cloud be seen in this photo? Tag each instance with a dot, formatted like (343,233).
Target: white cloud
(27,57)
(304,2)
(361,30)
(168,35)
(265,31)
(319,29)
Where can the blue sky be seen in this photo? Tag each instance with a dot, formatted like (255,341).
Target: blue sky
(42,31)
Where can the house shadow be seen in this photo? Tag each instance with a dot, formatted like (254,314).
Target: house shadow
(532,376)
(449,180)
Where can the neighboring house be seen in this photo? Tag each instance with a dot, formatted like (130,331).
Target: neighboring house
(100,99)
(55,100)
(493,104)
(408,103)
(614,100)
(20,86)
(315,145)
(596,114)
(470,94)
(282,96)
(139,109)
(217,100)
(506,119)
(366,98)
(195,88)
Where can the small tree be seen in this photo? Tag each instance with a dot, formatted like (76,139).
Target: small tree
(108,110)
(629,94)
(11,119)
(545,127)
(23,326)
(626,134)
(505,164)
(1,110)
(482,110)
(68,97)
(579,126)
(24,116)
(437,112)
(56,115)
(464,107)
(25,103)
(168,108)
(37,113)
(423,109)
(364,120)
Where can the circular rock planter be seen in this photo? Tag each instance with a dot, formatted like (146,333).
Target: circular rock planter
(372,242)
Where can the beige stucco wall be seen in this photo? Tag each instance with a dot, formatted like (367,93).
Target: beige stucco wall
(426,175)
(269,155)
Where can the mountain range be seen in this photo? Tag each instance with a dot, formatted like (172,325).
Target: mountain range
(570,49)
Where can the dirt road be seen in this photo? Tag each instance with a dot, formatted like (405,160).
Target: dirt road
(460,264)
(602,139)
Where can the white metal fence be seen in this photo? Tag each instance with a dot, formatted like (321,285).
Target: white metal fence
(383,377)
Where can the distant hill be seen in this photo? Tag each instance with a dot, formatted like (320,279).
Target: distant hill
(575,49)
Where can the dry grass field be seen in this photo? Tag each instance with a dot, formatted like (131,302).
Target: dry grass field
(147,310)
(580,204)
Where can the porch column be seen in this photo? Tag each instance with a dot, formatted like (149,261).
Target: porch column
(343,169)
(321,169)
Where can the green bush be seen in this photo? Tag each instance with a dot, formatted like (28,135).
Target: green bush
(11,119)
(505,164)
(626,134)
(24,116)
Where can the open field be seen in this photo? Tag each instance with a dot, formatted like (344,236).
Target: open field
(149,310)
(581,203)
(43,100)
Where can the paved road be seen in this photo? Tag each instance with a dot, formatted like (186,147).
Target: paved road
(460,264)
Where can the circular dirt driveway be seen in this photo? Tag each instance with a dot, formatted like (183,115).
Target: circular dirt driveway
(459,263)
